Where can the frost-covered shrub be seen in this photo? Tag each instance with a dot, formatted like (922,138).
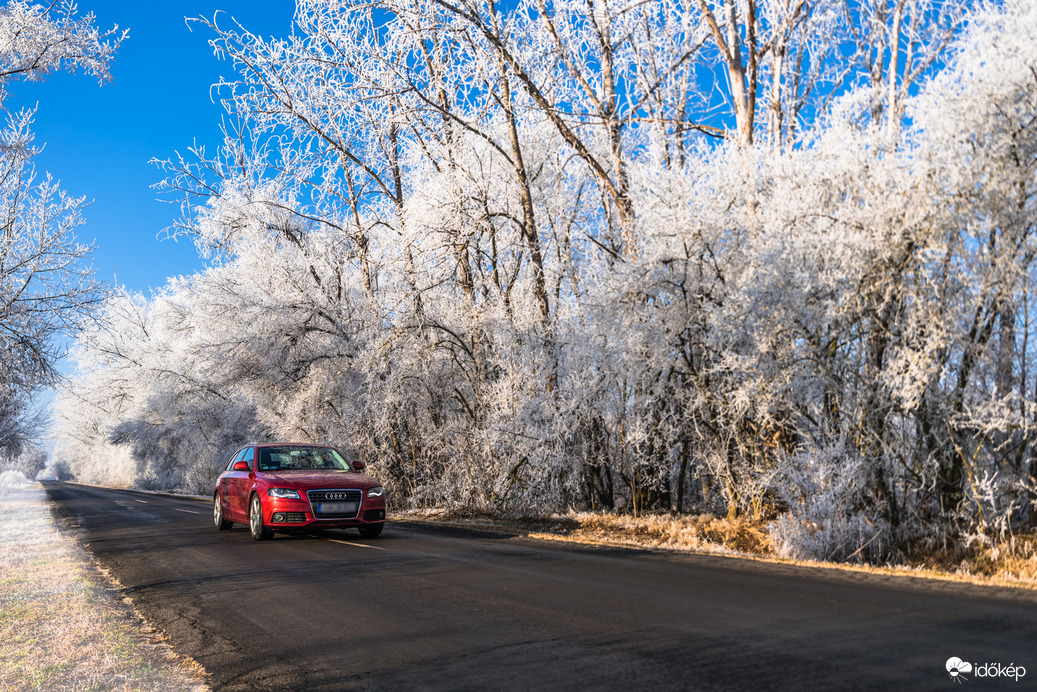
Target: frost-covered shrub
(30,461)
(829,515)
(10,478)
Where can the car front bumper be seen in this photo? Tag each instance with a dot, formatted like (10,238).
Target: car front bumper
(284,513)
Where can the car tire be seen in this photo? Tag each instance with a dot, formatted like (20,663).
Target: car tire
(371,531)
(217,514)
(255,521)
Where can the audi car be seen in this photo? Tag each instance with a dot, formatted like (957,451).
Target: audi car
(293,487)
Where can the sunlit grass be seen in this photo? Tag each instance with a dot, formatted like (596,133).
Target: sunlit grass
(61,627)
(1011,562)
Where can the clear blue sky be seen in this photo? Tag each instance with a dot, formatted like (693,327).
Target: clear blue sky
(99,140)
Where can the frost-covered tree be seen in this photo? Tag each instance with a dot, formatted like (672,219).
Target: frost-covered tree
(39,38)
(46,287)
(555,256)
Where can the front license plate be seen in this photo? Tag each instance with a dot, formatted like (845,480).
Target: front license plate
(336,508)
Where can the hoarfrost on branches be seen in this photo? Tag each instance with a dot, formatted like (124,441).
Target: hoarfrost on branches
(47,288)
(549,257)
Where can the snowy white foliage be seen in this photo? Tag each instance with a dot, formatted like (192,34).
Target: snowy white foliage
(13,479)
(827,514)
(27,464)
(523,261)
(39,38)
(46,284)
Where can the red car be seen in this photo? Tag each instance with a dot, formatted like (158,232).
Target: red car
(285,487)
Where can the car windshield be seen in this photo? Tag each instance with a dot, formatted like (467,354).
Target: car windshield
(300,458)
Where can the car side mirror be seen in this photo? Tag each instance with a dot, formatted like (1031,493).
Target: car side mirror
(359,465)
(241,466)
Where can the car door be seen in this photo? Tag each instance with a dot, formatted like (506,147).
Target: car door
(229,487)
(246,480)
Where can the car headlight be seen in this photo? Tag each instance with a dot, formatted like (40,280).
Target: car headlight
(376,492)
(284,493)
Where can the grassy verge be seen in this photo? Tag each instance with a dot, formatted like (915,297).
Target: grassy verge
(61,626)
(1006,563)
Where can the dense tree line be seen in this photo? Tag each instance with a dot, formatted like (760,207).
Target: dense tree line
(766,258)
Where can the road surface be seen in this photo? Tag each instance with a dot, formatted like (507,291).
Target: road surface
(421,609)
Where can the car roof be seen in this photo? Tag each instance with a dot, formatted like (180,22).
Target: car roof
(290,444)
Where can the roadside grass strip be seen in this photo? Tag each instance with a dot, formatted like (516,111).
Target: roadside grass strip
(61,626)
(1010,561)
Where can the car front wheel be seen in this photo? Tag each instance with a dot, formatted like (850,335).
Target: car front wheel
(217,514)
(255,521)
(371,530)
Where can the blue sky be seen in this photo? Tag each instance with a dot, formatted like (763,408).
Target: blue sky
(99,140)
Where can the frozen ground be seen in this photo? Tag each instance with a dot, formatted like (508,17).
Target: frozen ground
(62,626)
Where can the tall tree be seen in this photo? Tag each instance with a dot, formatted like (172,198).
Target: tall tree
(46,285)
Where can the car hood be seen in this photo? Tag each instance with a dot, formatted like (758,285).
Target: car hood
(310,480)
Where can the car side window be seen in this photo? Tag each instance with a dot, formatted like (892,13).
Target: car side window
(237,457)
(269,461)
(250,456)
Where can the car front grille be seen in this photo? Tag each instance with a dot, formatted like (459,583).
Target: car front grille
(335,504)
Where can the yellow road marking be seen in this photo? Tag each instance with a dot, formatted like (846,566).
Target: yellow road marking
(141,501)
(358,545)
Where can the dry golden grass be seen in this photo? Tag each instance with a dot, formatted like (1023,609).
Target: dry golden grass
(699,533)
(61,628)
(1012,558)
(1007,563)
(703,533)
(1018,560)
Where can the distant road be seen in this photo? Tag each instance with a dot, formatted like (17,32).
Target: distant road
(436,610)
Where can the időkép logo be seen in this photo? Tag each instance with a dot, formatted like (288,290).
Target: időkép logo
(960,670)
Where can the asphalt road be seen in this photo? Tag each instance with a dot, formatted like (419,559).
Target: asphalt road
(428,609)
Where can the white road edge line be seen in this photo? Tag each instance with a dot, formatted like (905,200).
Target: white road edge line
(358,545)
(189,511)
